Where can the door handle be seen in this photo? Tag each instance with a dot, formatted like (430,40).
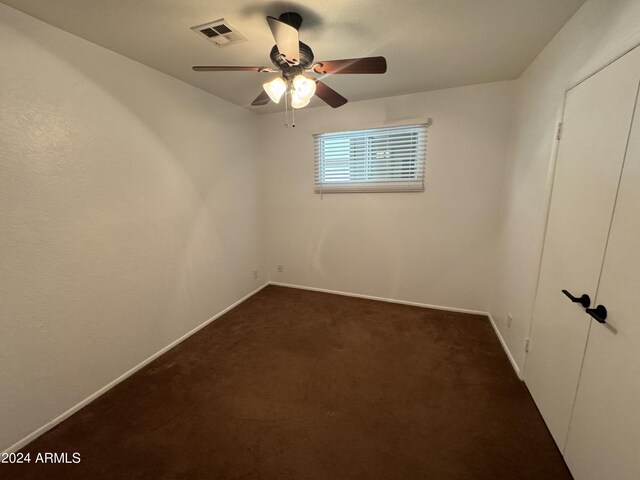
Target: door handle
(584,300)
(599,313)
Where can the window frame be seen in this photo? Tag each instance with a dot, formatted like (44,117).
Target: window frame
(361,158)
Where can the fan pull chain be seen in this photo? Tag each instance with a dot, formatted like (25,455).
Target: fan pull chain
(287,94)
(286,109)
(293,117)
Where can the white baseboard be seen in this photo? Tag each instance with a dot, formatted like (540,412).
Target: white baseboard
(33,435)
(381,299)
(504,346)
(415,304)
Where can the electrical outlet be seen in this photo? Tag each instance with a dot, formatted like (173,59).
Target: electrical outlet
(255,274)
(527,345)
(279,268)
(509,320)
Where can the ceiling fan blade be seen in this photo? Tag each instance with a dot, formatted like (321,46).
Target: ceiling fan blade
(286,38)
(261,99)
(329,96)
(352,65)
(210,68)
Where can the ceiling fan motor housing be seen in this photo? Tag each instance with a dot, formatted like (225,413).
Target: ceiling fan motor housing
(306,58)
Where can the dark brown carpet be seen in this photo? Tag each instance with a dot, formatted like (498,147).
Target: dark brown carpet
(295,384)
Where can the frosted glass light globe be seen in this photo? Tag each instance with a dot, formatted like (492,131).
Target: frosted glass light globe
(297,101)
(275,88)
(304,87)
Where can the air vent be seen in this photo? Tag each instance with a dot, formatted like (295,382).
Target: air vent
(220,32)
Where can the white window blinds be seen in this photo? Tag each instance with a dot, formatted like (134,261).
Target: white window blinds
(389,159)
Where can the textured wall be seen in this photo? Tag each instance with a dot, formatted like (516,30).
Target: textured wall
(599,31)
(129,214)
(436,247)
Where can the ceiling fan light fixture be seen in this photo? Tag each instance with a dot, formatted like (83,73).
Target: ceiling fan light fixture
(275,88)
(291,59)
(304,87)
(297,101)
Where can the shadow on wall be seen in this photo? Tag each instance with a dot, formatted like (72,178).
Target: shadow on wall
(163,175)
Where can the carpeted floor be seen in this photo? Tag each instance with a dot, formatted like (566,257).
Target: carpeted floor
(299,385)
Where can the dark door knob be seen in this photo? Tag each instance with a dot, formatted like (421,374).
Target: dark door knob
(584,300)
(599,313)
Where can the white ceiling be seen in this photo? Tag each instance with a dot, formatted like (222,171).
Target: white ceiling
(429,44)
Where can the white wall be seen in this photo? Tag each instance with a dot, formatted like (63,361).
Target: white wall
(129,214)
(598,32)
(436,247)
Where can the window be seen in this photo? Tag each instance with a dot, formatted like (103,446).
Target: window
(389,159)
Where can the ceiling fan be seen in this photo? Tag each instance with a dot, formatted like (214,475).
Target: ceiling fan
(292,60)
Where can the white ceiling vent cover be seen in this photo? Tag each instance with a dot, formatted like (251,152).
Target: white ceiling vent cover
(220,32)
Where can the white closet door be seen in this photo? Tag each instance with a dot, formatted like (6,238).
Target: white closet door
(598,113)
(604,435)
